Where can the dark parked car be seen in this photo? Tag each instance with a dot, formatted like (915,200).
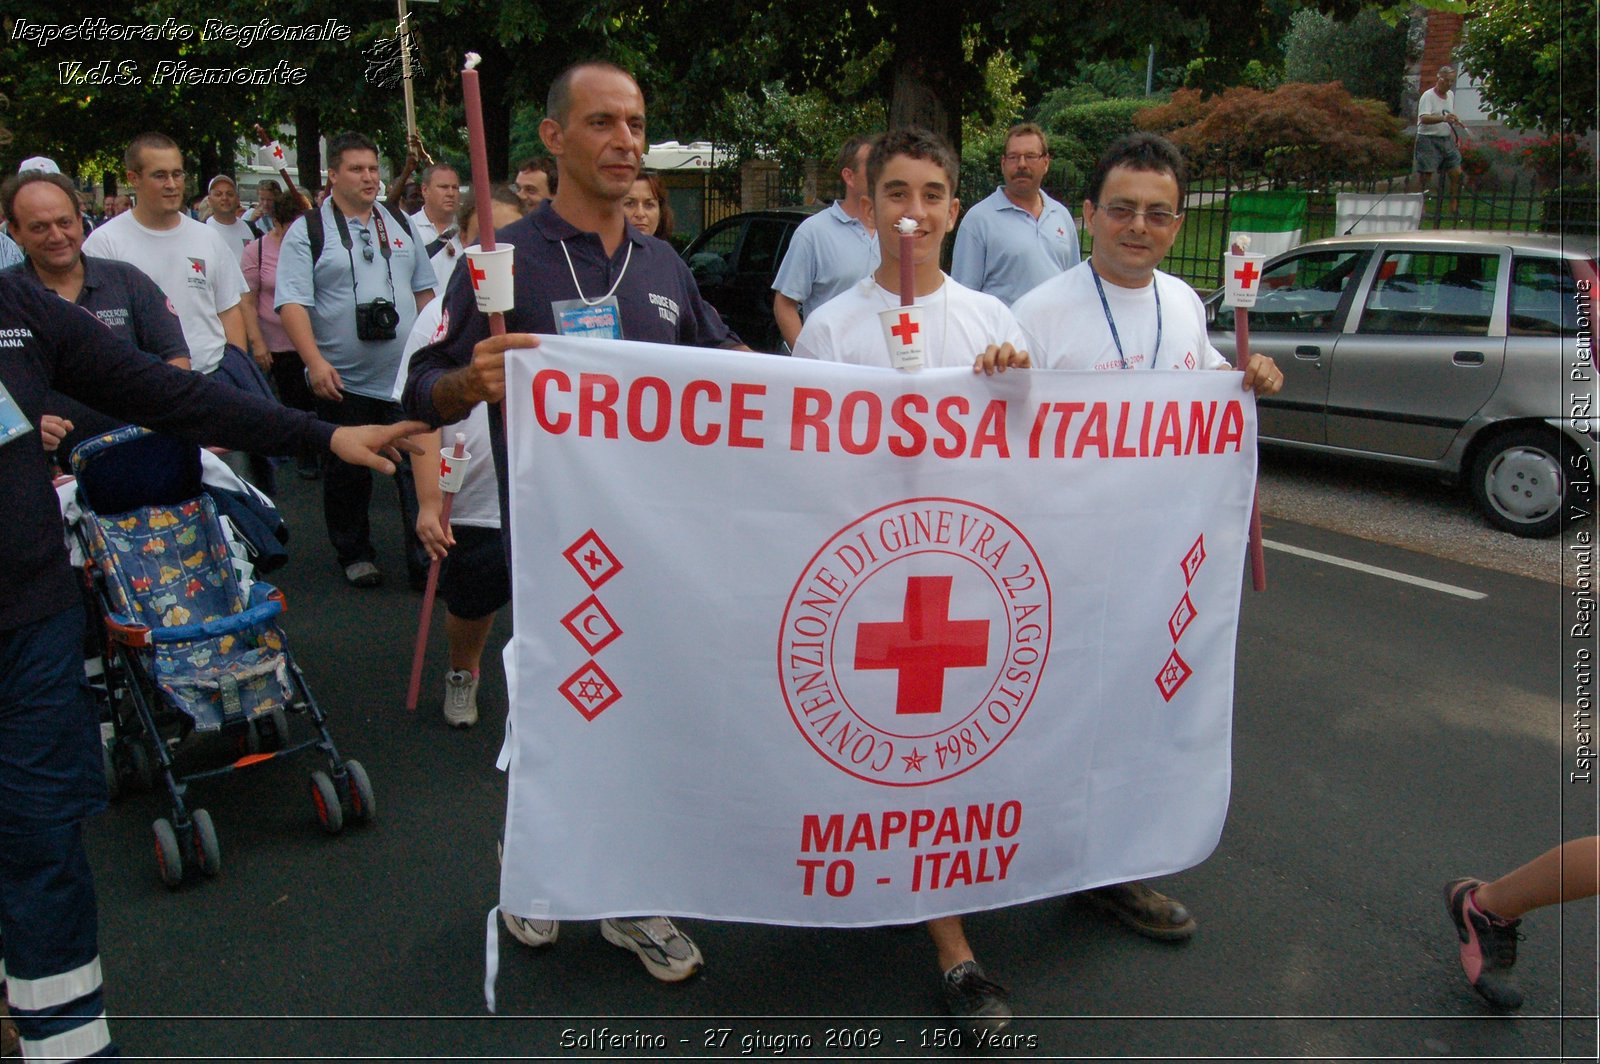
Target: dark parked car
(734,262)
(1468,353)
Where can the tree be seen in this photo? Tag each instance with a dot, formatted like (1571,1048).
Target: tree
(1365,53)
(1535,62)
(1296,133)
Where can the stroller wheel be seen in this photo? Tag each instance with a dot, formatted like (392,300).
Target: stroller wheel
(139,765)
(330,814)
(109,763)
(207,851)
(168,860)
(363,806)
(280,726)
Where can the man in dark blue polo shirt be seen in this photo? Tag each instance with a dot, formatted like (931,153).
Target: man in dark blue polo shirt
(46,218)
(577,263)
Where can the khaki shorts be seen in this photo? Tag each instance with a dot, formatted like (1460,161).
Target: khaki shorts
(1436,153)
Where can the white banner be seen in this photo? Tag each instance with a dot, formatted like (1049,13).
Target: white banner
(820,644)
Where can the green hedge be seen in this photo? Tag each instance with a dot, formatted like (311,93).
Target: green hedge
(1082,132)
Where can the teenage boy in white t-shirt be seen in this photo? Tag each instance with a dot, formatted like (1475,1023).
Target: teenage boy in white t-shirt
(911,173)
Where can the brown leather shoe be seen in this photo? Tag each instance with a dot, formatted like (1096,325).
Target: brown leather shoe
(1147,911)
(10,1041)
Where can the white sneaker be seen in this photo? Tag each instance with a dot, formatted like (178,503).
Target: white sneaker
(531,932)
(460,699)
(667,953)
(525,929)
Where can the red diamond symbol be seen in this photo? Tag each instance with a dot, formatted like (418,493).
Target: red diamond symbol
(1194,559)
(591,625)
(1172,676)
(590,690)
(1188,360)
(593,560)
(1181,617)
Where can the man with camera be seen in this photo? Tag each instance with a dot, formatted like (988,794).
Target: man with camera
(351,278)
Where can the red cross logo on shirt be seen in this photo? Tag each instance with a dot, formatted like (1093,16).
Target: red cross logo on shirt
(906,329)
(198,266)
(923,644)
(1247,275)
(476,274)
(398,244)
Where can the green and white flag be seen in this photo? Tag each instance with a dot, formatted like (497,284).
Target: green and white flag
(1272,221)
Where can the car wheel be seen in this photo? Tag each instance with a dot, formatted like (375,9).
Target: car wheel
(1519,482)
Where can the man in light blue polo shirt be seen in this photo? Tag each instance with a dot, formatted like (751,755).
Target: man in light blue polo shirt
(1019,237)
(348,308)
(831,250)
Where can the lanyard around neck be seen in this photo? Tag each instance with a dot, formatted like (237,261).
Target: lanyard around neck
(627,258)
(1112,322)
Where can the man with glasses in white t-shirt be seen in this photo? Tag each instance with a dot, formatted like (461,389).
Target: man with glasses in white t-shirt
(1116,311)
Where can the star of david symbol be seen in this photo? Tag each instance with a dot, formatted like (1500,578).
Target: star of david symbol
(592,559)
(913,760)
(591,625)
(590,691)
(1181,616)
(1194,559)
(1173,674)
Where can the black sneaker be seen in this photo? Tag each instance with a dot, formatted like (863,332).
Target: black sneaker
(971,995)
(1488,945)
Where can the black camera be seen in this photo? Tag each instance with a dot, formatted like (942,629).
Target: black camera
(376,320)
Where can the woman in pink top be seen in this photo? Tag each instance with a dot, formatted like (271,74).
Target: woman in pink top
(261,274)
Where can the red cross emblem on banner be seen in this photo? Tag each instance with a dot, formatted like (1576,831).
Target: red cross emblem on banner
(1247,275)
(592,559)
(475,273)
(906,329)
(923,644)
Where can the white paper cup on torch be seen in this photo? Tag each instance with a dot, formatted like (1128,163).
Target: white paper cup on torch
(453,470)
(904,336)
(491,277)
(1241,275)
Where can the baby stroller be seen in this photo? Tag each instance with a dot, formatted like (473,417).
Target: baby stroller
(190,652)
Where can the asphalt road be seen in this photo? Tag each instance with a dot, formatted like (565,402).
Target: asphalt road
(1388,737)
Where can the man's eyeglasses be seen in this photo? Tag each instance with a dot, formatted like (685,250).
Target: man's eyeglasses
(366,246)
(1030,157)
(1155,219)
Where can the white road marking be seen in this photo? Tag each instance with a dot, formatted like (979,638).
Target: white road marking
(1404,578)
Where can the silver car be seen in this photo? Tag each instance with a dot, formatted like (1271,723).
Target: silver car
(1469,353)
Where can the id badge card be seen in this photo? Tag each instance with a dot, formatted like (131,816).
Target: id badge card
(595,321)
(13,422)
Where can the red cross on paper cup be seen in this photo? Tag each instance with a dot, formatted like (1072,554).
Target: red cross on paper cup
(491,276)
(904,336)
(276,151)
(1242,276)
(452,470)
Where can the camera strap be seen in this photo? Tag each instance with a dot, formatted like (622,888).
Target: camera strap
(349,246)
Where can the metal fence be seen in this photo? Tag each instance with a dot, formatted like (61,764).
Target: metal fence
(1515,205)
